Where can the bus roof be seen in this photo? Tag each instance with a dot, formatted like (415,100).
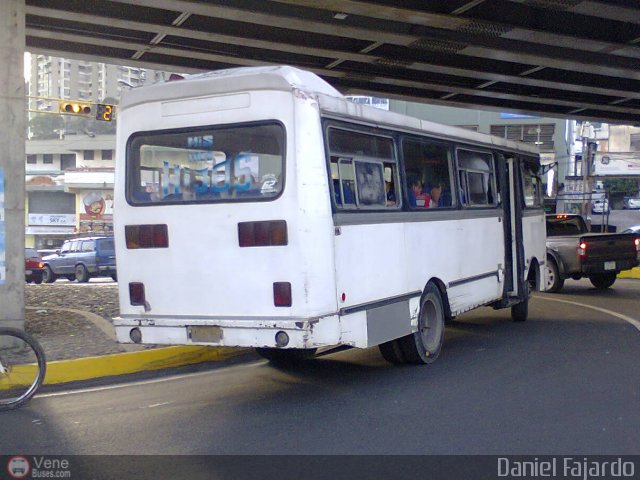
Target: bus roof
(287,78)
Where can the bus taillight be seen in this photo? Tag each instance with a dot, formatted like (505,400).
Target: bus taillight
(136,294)
(262,234)
(146,236)
(282,294)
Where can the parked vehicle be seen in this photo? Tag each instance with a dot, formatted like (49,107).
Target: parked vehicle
(600,206)
(33,266)
(634,229)
(631,202)
(82,258)
(573,252)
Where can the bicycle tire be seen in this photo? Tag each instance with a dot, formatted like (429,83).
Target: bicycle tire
(20,377)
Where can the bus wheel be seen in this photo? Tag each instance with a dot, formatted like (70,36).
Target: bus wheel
(392,351)
(554,280)
(424,345)
(520,311)
(603,280)
(286,356)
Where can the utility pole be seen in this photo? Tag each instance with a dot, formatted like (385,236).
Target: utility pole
(586,160)
(12,158)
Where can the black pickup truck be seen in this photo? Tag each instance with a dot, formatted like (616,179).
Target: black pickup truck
(573,252)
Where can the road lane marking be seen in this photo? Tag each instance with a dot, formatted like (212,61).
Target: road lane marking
(621,316)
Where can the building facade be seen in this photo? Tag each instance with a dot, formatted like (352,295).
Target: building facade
(69,189)
(54,77)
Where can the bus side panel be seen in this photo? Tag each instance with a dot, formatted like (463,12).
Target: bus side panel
(313,217)
(370,267)
(466,254)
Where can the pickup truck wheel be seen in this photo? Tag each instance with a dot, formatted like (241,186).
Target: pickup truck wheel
(47,275)
(554,280)
(603,280)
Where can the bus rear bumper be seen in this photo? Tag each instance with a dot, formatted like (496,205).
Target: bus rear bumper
(360,328)
(290,333)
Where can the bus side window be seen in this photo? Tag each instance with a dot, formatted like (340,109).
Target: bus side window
(477,180)
(343,181)
(429,178)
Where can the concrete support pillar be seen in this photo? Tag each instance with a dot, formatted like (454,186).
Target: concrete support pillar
(12,162)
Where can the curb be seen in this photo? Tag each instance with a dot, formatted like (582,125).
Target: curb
(65,371)
(633,273)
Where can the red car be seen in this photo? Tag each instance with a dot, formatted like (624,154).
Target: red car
(33,266)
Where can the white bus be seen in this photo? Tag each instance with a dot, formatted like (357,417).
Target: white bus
(257,207)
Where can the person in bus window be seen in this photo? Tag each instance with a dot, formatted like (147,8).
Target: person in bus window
(417,198)
(435,194)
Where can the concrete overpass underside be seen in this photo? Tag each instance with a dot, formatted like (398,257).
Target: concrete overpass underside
(562,58)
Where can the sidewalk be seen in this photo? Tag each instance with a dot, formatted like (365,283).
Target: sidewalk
(80,344)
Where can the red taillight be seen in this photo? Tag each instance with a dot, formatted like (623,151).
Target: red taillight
(146,236)
(282,294)
(262,234)
(582,251)
(136,293)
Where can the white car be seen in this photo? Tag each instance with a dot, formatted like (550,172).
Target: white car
(634,229)
(631,202)
(600,206)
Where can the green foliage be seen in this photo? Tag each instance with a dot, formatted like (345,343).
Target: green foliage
(628,186)
(44,126)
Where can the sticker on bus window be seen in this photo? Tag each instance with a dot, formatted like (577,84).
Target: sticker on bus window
(370,183)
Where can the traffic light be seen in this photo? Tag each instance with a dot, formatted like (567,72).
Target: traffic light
(75,108)
(104,112)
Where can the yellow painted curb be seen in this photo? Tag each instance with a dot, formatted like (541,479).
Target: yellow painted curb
(633,273)
(64,371)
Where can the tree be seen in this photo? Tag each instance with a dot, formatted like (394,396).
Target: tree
(44,126)
(627,186)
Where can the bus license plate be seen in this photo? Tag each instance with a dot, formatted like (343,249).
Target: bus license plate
(609,265)
(205,334)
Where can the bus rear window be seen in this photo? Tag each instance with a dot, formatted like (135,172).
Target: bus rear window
(216,164)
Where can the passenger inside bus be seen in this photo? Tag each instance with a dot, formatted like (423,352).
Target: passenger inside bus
(417,197)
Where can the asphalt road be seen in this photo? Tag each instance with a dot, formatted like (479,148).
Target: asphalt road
(565,382)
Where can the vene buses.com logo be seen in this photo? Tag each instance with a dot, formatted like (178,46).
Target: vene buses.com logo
(18,467)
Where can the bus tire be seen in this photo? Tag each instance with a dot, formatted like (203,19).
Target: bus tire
(286,356)
(424,346)
(603,280)
(520,311)
(392,352)
(554,280)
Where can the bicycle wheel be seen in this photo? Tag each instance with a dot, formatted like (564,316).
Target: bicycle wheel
(22,367)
